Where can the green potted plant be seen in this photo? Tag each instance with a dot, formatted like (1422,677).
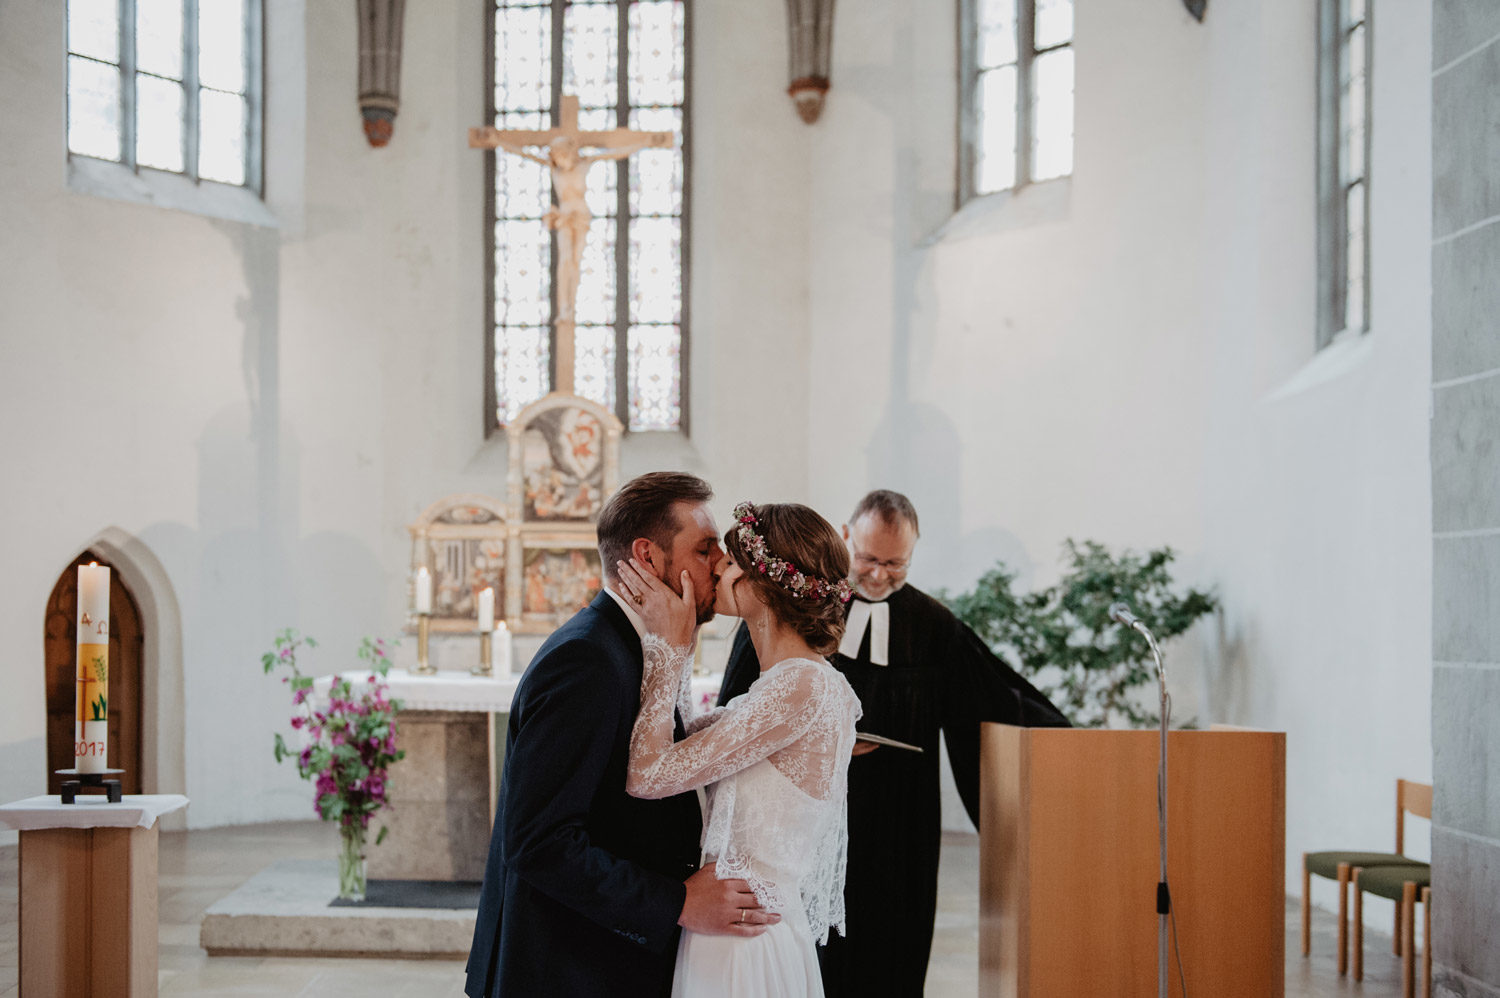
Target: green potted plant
(1063,639)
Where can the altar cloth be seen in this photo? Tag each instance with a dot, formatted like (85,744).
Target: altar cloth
(461,691)
(90,811)
(443,690)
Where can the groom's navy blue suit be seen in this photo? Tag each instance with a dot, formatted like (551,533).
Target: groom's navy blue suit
(584,883)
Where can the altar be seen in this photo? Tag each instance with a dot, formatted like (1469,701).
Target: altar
(442,795)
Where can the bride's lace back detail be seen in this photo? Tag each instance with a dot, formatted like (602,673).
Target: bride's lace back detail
(778,761)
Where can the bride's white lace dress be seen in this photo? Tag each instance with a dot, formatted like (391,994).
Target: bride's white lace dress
(775,761)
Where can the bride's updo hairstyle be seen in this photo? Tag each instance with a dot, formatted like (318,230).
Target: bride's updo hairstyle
(797,534)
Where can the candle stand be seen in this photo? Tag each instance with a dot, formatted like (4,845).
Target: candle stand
(424,630)
(486,666)
(88,895)
(71,788)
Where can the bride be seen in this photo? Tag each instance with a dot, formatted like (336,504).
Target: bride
(775,760)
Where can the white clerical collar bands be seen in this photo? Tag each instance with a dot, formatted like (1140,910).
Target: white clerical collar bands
(876,617)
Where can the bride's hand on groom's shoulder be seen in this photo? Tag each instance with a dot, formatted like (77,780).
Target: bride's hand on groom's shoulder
(666,614)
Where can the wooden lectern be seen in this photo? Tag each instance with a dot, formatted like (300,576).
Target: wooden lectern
(1069,862)
(88,894)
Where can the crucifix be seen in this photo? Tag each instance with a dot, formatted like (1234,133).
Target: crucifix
(560,149)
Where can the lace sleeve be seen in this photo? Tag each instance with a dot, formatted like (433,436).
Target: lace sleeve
(704,720)
(771,717)
(683,660)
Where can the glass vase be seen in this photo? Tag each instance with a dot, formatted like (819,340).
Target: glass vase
(352,863)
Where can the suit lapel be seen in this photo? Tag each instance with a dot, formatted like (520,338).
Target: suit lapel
(606,607)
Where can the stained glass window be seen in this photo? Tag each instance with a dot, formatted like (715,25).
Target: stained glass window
(1343,169)
(626,62)
(167,84)
(1018,93)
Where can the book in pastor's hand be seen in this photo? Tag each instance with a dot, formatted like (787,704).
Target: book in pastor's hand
(865,736)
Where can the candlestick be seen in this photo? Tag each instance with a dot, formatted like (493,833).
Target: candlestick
(422,591)
(486,666)
(424,624)
(91,700)
(486,610)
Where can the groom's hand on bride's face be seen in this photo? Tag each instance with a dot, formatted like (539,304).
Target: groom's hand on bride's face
(717,907)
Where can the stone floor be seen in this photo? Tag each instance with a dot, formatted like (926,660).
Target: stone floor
(198,868)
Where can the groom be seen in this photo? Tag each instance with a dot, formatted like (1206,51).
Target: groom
(586,887)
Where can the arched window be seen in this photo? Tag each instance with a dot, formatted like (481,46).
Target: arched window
(1017,93)
(169,90)
(1343,168)
(626,62)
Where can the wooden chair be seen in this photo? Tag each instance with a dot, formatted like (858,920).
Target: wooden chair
(1403,885)
(1340,865)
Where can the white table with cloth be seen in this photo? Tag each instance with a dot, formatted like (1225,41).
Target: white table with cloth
(88,893)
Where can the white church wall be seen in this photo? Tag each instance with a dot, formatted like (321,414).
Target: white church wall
(1320,474)
(1128,355)
(265,409)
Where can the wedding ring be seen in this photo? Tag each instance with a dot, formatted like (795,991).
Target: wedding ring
(637,599)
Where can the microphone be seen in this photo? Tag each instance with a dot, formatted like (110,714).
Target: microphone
(1120,613)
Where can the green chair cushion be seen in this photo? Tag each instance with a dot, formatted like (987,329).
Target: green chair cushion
(1326,864)
(1387,881)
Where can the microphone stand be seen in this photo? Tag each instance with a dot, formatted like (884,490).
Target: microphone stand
(1163,896)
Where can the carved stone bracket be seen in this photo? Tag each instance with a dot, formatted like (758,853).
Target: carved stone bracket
(380,24)
(809,41)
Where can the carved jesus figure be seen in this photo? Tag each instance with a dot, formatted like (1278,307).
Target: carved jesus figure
(571,218)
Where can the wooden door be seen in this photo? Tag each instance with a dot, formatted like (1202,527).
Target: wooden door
(126,651)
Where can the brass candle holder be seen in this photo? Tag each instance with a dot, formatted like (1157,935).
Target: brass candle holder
(424,630)
(486,666)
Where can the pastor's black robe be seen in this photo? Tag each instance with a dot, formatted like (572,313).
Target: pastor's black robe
(941,677)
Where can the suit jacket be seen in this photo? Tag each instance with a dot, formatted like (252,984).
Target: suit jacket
(584,883)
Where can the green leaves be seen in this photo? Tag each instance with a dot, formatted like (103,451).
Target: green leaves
(99,709)
(1063,638)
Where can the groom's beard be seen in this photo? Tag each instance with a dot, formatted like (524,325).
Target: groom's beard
(703,596)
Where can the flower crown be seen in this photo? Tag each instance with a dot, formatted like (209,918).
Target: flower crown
(787,575)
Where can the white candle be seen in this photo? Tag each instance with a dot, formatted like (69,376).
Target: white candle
(487,609)
(424,590)
(501,649)
(91,719)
